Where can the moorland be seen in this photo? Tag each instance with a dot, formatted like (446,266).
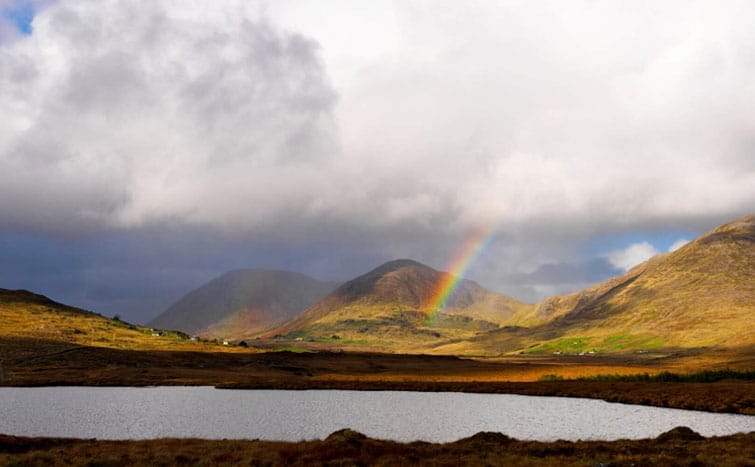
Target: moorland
(671,332)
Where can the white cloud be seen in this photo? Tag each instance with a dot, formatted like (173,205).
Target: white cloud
(535,113)
(324,123)
(632,255)
(120,114)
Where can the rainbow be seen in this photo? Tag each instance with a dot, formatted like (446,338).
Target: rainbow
(474,245)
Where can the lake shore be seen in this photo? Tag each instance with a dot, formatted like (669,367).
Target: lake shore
(679,446)
(97,366)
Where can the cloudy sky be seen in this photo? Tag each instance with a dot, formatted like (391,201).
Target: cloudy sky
(146,147)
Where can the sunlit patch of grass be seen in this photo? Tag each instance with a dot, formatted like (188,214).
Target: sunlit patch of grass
(620,342)
(25,315)
(653,343)
(551,377)
(567,345)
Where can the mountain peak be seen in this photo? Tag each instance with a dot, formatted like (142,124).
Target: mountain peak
(741,229)
(398,264)
(693,296)
(395,301)
(389,279)
(243,302)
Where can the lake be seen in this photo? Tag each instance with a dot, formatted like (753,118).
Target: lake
(205,412)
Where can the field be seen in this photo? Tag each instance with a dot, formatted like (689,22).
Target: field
(245,368)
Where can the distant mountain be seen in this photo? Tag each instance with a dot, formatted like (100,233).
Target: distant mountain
(392,305)
(244,303)
(702,294)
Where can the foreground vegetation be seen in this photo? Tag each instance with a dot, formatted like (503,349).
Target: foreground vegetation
(708,376)
(680,446)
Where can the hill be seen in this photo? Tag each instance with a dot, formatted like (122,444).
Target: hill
(243,303)
(34,325)
(392,308)
(701,295)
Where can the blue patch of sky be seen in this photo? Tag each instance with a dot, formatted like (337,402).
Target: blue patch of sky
(603,244)
(21,15)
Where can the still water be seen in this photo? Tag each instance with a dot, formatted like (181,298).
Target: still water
(205,412)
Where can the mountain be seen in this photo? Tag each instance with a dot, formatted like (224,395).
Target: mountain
(392,307)
(701,295)
(241,304)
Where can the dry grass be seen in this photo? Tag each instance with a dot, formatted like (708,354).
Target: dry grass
(92,366)
(700,295)
(677,447)
(57,327)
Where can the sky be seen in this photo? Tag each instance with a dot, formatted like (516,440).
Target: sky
(148,147)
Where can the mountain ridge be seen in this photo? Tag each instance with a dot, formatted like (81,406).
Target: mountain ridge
(700,295)
(394,303)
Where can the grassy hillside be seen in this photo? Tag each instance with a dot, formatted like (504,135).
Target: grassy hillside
(700,295)
(391,308)
(244,303)
(56,327)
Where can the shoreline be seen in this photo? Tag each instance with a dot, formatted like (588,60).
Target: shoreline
(99,366)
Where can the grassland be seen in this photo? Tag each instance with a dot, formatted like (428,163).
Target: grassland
(56,327)
(101,366)
(43,343)
(679,446)
(46,343)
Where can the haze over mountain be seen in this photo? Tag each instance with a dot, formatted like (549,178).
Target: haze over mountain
(395,302)
(702,294)
(243,303)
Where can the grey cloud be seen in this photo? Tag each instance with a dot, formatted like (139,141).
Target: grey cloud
(591,271)
(131,114)
(555,123)
(216,116)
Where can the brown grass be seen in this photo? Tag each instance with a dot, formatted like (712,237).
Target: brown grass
(56,327)
(87,366)
(346,447)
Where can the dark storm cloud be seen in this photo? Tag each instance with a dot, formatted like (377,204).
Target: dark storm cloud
(139,274)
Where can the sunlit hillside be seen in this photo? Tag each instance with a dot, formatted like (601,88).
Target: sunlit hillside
(44,325)
(392,307)
(701,295)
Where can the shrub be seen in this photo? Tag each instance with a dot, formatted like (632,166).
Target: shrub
(551,377)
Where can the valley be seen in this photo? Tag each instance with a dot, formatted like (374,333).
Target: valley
(696,297)
(672,332)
